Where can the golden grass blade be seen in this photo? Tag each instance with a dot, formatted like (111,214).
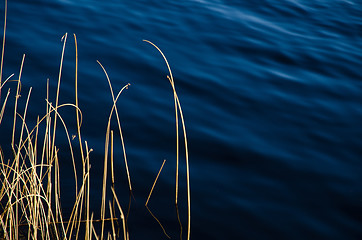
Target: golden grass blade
(88,228)
(3,47)
(125,232)
(56,185)
(64,39)
(58,212)
(114,108)
(164,57)
(176,119)
(80,211)
(4,104)
(79,120)
(105,164)
(112,171)
(149,196)
(17,168)
(2,224)
(23,122)
(158,221)
(187,159)
(75,212)
(119,125)
(170,78)
(66,131)
(111,213)
(154,183)
(16,98)
(7,80)
(93,229)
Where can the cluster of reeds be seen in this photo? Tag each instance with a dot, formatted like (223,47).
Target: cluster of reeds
(30,194)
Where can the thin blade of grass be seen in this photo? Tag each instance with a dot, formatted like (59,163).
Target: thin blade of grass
(171,80)
(3,46)
(149,196)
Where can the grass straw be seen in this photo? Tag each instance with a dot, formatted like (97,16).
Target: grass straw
(3,107)
(17,97)
(3,46)
(111,213)
(149,196)
(125,232)
(79,122)
(171,80)
(88,234)
(6,98)
(119,124)
(154,183)
(114,109)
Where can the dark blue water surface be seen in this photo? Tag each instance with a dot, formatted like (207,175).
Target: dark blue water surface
(272,97)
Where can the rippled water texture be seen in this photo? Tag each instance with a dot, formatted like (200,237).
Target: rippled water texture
(271,93)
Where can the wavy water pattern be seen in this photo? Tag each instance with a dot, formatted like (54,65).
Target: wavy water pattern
(271,92)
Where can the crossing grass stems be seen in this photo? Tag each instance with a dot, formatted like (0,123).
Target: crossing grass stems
(30,193)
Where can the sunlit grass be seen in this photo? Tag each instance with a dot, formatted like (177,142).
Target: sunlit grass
(30,194)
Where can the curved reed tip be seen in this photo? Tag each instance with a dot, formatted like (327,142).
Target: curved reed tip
(144,40)
(64,36)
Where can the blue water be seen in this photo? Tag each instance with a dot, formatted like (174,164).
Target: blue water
(272,97)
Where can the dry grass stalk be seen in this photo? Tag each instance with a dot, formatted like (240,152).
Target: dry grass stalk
(149,196)
(178,109)
(3,46)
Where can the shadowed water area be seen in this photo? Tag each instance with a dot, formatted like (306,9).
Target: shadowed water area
(271,93)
